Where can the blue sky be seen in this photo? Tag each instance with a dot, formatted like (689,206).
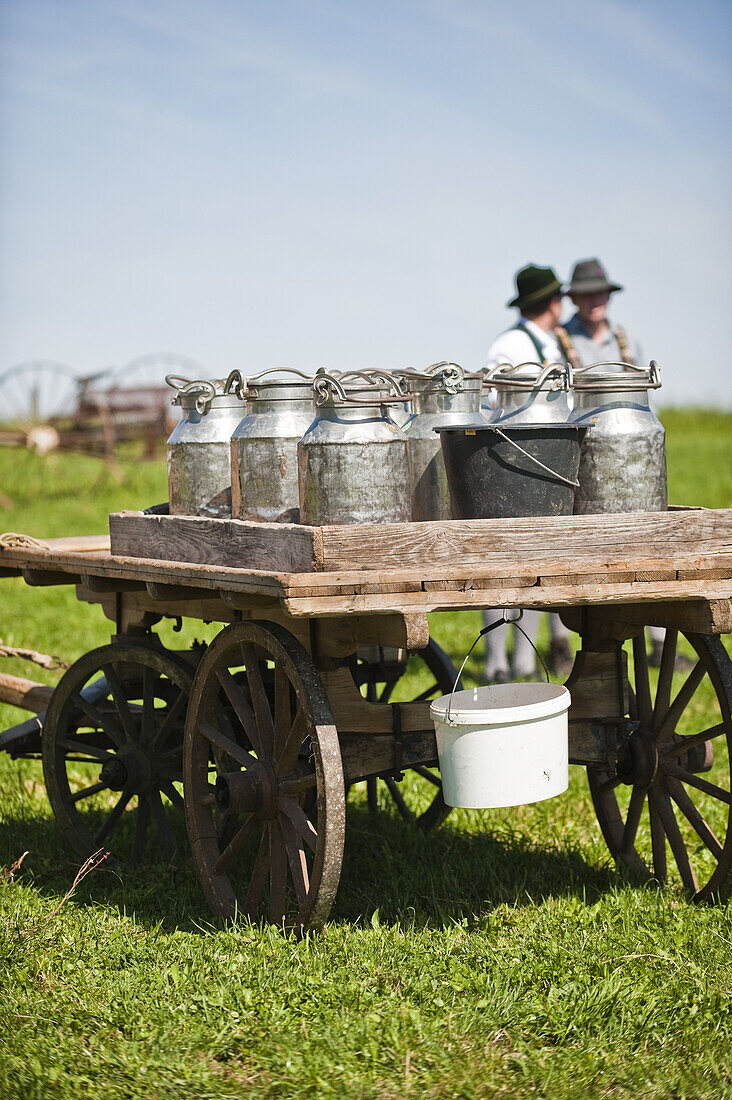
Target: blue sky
(347,184)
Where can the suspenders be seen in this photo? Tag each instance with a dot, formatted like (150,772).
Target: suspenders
(540,354)
(570,351)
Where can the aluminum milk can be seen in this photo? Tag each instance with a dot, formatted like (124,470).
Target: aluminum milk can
(623,458)
(352,460)
(264,446)
(529,393)
(441,395)
(199,473)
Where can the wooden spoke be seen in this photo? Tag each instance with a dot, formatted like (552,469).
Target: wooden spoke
(121,703)
(173,717)
(113,817)
(665,676)
(277,874)
(293,800)
(658,841)
(678,749)
(162,825)
(97,719)
(296,859)
(428,775)
(681,702)
(149,680)
(260,702)
(396,794)
(632,821)
(282,711)
(87,792)
(700,784)
(676,841)
(113,690)
(258,878)
(692,815)
(237,697)
(301,822)
(236,844)
(74,745)
(642,687)
(221,741)
(291,748)
(143,820)
(173,796)
(298,786)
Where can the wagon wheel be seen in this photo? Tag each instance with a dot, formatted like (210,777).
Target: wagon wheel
(265,801)
(659,800)
(380,672)
(112,751)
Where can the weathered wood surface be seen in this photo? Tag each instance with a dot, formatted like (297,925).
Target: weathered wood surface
(275,547)
(16,691)
(590,544)
(664,558)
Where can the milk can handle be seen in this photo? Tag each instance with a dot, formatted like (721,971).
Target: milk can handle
(489,375)
(206,392)
(652,370)
(177,381)
(280,370)
(325,385)
(564,480)
(235,383)
(486,630)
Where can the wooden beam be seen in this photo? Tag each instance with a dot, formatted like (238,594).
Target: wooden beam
(43,578)
(16,691)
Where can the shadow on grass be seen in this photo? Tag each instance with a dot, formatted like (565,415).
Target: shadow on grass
(452,874)
(431,881)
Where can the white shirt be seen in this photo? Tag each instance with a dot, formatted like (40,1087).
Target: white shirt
(514,346)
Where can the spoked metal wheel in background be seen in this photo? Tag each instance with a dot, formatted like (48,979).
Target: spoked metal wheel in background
(36,390)
(379,671)
(666,813)
(112,752)
(265,801)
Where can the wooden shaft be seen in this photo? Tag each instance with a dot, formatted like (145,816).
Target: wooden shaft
(26,694)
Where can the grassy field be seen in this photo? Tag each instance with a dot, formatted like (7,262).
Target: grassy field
(502,955)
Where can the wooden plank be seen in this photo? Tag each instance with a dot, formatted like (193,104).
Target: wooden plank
(286,547)
(602,541)
(400,545)
(506,567)
(556,596)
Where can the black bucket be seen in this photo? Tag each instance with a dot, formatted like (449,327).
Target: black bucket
(498,471)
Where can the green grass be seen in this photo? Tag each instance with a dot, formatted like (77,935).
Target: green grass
(502,955)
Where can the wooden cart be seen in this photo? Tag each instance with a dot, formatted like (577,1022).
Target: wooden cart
(269,725)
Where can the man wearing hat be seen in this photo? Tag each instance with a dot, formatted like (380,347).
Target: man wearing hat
(532,339)
(588,337)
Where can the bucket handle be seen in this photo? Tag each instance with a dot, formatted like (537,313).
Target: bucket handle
(504,619)
(564,480)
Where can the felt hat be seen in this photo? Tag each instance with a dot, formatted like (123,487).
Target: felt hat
(534,284)
(590,277)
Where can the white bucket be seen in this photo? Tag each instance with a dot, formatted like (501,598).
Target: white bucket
(503,745)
